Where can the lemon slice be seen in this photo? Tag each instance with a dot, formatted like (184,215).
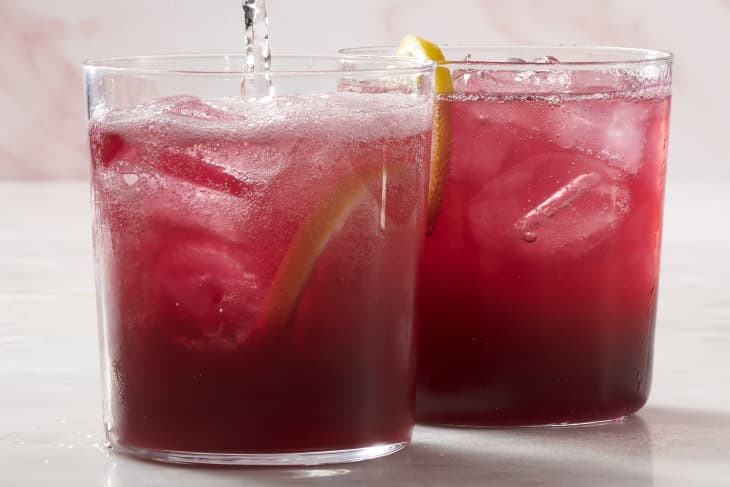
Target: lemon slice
(413,46)
(314,233)
(310,240)
(417,47)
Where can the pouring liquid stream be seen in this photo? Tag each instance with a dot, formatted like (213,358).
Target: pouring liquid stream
(257,50)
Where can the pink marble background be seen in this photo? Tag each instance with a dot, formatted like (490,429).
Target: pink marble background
(42,44)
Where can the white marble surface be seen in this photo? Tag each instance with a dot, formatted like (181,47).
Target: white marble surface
(50,425)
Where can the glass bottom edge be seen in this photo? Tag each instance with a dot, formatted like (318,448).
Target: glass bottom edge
(558,424)
(307,458)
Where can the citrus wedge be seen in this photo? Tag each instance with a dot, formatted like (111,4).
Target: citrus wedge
(310,240)
(325,219)
(414,46)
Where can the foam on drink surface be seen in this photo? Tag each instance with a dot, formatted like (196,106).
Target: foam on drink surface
(238,147)
(359,116)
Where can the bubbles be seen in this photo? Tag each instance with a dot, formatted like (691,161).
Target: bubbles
(249,171)
(230,181)
(236,147)
(130,179)
(478,80)
(545,76)
(234,166)
(505,81)
(189,107)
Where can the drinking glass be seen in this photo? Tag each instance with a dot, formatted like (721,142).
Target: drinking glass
(256,255)
(538,292)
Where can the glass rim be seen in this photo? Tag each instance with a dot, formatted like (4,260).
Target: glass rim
(153,64)
(633,55)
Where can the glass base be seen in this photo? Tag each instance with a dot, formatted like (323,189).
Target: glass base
(566,424)
(577,424)
(263,459)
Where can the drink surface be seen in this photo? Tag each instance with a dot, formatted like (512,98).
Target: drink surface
(197,204)
(537,297)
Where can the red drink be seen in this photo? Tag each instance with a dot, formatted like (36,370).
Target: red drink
(257,266)
(538,296)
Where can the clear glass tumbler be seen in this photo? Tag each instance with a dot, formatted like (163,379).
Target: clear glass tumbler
(256,255)
(537,299)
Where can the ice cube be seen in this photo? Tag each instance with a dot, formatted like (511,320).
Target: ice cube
(473,163)
(614,129)
(461,79)
(605,81)
(248,161)
(556,202)
(108,145)
(183,138)
(202,290)
(485,81)
(493,81)
(193,168)
(559,205)
(191,107)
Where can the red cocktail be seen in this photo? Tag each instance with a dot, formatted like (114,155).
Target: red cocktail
(539,287)
(256,263)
